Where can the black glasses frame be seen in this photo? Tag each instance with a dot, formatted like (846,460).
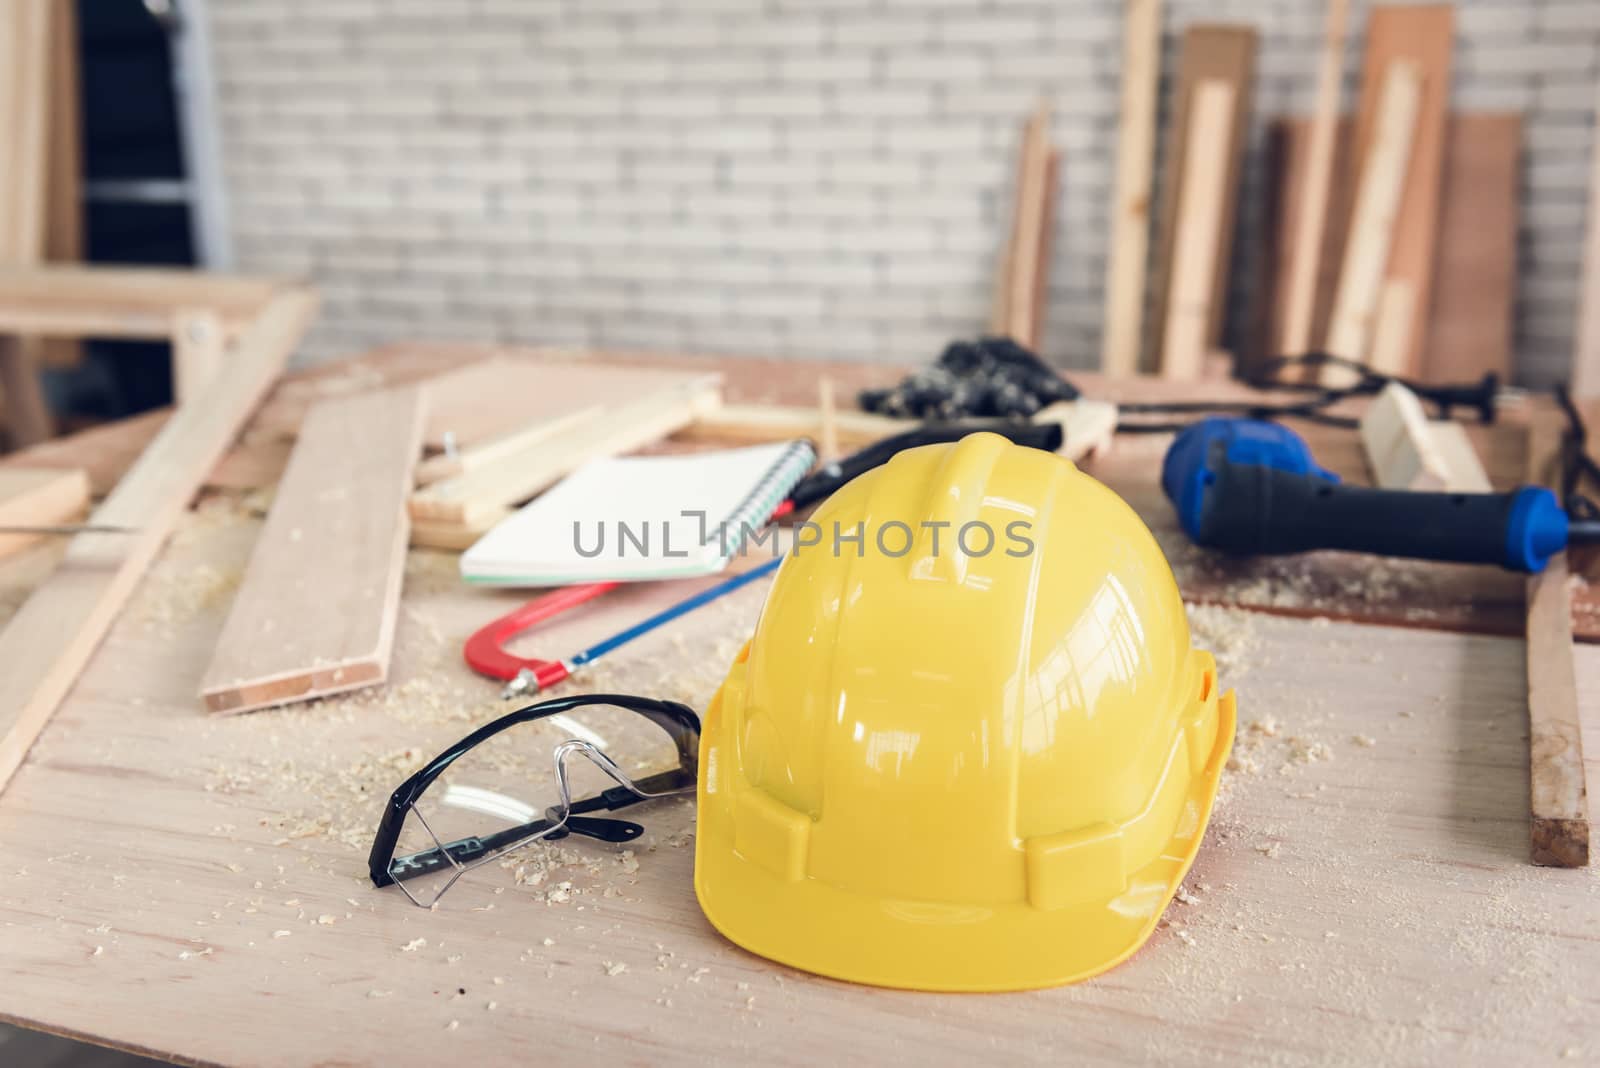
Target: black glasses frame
(679,721)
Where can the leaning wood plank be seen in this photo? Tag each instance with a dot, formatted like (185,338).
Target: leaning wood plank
(1586,359)
(64,222)
(24,125)
(1227,53)
(470,498)
(1201,209)
(39,496)
(1475,280)
(1313,214)
(50,639)
(1423,35)
(1558,802)
(1372,225)
(1130,204)
(1397,308)
(1015,314)
(316,612)
(1288,154)
(1047,234)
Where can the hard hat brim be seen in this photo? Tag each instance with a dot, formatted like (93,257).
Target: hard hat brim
(914,945)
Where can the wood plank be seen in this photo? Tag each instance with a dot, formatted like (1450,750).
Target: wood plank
(1475,278)
(64,223)
(1014,313)
(335,539)
(24,125)
(47,643)
(476,457)
(1397,309)
(1585,374)
(626,425)
(1209,52)
(39,496)
(1047,236)
(1423,35)
(1382,183)
(499,396)
(755,423)
(1396,435)
(1202,206)
(1558,790)
(1288,161)
(122,302)
(1130,202)
(453,537)
(1311,221)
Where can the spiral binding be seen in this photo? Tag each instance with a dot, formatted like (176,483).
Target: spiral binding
(758,505)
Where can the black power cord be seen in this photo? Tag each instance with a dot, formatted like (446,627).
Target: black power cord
(1478,397)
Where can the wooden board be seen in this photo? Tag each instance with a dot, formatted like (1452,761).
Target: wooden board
(1586,357)
(492,398)
(1424,35)
(1202,205)
(1018,289)
(1558,801)
(1381,185)
(64,222)
(47,643)
(315,614)
(1363,887)
(626,425)
(1130,203)
(25,51)
(1227,53)
(39,496)
(1475,275)
(1288,160)
(1310,221)
(1469,324)
(122,302)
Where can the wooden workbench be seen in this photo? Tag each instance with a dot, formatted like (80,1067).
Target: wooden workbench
(195,887)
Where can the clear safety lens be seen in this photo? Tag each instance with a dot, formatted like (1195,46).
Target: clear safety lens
(517,787)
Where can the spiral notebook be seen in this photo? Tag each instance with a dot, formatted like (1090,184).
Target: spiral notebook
(640,518)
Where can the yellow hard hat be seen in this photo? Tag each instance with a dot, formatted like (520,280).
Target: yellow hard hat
(983,763)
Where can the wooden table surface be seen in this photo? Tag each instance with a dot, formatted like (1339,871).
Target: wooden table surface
(194,887)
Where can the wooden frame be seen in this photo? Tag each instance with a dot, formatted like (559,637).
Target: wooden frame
(198,313)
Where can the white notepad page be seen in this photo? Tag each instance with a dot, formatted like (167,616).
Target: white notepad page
(657,500)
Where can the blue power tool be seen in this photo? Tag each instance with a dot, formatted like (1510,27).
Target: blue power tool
(1248,487)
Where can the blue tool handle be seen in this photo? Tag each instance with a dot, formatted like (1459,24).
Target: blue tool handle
(1251,509)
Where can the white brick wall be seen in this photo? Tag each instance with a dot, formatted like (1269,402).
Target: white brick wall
(818,177)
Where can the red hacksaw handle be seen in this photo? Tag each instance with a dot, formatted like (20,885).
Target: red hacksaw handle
(485,653)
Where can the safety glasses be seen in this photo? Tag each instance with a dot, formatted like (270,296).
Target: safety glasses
(533,775)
